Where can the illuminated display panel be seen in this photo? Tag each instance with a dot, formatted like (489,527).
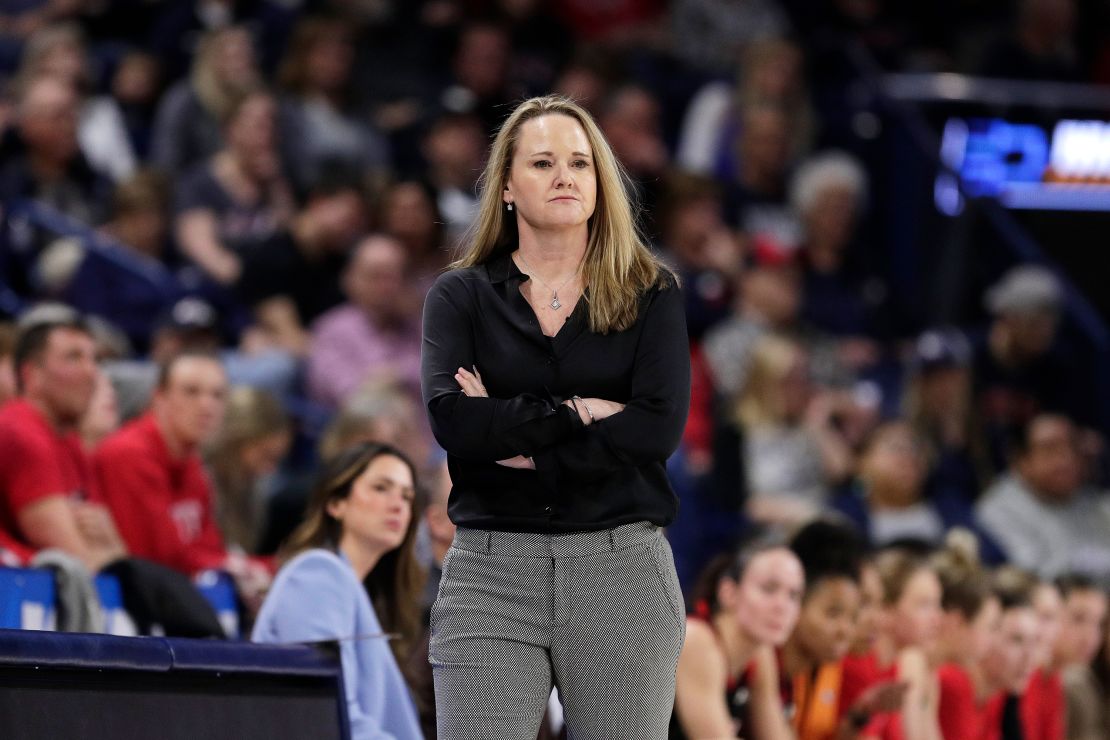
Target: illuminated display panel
(1064,166)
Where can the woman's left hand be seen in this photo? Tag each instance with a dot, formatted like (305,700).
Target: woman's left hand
(472,387)
(471,383)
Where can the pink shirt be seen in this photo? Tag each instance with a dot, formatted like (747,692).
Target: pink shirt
(347,350)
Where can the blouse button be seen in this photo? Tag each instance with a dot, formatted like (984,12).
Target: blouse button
(547,509)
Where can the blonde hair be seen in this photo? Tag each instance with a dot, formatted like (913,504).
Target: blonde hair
(42,43)
(896,567)
(217,97)
(760,400)
(618,267)
(252,415)
(965,584)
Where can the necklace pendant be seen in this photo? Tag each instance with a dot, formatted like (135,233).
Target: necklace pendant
(555,302)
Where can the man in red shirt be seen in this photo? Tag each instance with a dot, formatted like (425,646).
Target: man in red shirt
(152,477)
(48,496)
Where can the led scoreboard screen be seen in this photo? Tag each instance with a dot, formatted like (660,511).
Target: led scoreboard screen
(1062,166)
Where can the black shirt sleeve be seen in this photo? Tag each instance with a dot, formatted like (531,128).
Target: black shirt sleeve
(481,429)
(649,428)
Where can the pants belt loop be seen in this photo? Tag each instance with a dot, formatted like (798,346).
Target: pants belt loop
(489,541)
(613,539)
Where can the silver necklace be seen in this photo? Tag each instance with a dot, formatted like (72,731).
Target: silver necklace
(555,304)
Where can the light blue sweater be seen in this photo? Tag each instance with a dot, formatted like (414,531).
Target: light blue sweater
(317,596)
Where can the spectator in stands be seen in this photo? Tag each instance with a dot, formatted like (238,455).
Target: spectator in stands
(1018,368)
(1041,513)
(295,276)
(479,70)
(235,201)
(828,193)
(49,496)
(176,27)
(756,199)
(136,85)
(41,159)
(371,337)
(703,250)
(140,214)
(630,117)
(153,478)
(792,450)
(377,413)
(937,402)
(59,50)
(713,35)
(585,79)
(746,604)
(1081,639)
(439,533)
(242,457)
(454,150)
(118,273)
(102,417)
(409,213)
(1040,46)
(188,127)
(769,304)
(541,45)
(189,324)
(327,123)
(7,367)
(351,576)
(438,527)
(890,501)
(770,71)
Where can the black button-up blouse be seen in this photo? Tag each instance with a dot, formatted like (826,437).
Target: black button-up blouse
(587,477)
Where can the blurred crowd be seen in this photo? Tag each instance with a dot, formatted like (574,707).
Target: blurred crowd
(220,217)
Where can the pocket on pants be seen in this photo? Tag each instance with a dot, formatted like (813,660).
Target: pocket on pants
(444,575)
(668,579)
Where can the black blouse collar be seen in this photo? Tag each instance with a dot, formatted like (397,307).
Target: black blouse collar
(502,267)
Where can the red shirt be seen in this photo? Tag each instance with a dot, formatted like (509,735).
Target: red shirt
(1042,707)
(36,462)
(162,505)
(858,673)
(961,716)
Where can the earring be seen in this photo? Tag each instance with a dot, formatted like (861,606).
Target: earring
(509,206)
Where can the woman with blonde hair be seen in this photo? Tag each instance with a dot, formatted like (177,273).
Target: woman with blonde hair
(351,576)
(792,450)
(188,126)
(556,375)
(249,447)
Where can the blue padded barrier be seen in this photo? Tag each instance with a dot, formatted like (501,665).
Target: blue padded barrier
(27,599)
(55,685)
(217,587)
(116,619)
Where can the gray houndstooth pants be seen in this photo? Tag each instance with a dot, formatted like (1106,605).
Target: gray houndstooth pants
(600,614)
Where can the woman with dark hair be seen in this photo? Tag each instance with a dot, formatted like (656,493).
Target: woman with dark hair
(556,374)
(746,604)
(832,555)
(238,199)
(351,575)
(331,128)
